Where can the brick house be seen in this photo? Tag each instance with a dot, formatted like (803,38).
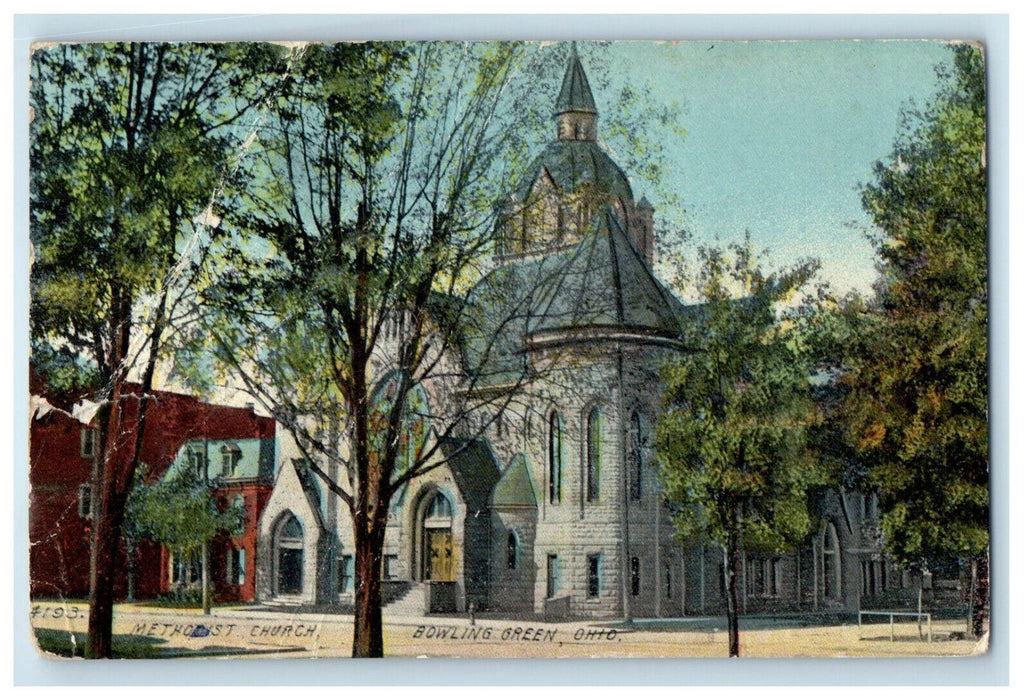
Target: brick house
(61,463)
(556,508)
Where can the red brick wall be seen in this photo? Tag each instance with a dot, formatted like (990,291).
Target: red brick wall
(59,538)
(255,497)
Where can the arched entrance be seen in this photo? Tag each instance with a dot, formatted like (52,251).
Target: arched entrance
(289,557)
(438,558)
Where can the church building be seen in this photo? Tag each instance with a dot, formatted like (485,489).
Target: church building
(556,508)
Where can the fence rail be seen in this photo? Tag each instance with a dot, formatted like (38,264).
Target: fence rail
(920,616)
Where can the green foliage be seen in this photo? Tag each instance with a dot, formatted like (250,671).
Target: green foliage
(180,511)
(66,372)
(372,198)
(734,436)
(916,386)
(129,144)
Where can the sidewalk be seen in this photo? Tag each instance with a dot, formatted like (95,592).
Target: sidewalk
(142,630)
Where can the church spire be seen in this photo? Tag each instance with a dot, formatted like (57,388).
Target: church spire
(575,109)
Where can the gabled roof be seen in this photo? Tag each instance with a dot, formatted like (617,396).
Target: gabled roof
(310,485)
(474,468)
(575,95)
(515,489)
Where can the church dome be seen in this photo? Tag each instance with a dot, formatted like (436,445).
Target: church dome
(570,183)
(575,160)
(573,164)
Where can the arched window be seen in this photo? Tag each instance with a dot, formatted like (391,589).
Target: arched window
(831,563)
(556,456)
(594,454)
(439,508)
(513,550)
(289,545)
(636,472)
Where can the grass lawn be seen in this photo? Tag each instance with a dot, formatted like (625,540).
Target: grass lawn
(125,646)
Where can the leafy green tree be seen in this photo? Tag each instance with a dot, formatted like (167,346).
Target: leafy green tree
(129,145)
(370,218)
(734,435)
(180,511)
(369,210)
(916,356)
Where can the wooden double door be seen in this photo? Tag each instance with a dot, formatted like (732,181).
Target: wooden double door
(439,560)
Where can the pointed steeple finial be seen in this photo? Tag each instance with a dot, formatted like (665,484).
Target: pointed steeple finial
(575,108)
(575,95)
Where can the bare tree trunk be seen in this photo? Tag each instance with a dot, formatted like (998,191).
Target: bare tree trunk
(132,554)
(205,579)
(106,535)
(981,594)
(731,569)
(104,548)
(368,592)
(120,443)
(968,588)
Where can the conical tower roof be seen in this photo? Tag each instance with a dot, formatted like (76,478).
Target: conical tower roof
(575,95)
(602,284)
(606,283)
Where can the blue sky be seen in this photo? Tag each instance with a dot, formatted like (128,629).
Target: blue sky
(780,135)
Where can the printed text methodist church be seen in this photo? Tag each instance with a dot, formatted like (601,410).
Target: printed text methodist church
(557,509)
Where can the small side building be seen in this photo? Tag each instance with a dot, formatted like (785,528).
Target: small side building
(63,454)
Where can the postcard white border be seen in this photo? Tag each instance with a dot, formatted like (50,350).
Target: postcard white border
(990,669)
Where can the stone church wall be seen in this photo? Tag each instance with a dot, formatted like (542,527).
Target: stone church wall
(512,589)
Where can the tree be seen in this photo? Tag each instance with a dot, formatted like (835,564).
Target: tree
(356,287)
(369,211)
(916,356)
(129,144)
(733,439)
(180,511)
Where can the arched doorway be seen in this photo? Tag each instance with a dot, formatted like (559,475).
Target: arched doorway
(289,557)
(439,561)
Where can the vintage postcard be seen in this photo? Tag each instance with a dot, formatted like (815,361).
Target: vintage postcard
(509,349)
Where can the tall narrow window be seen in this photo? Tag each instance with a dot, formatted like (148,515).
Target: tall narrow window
(231,455)
(85,501)
(346,582)
(556,456)
(236,569)
(594,455)
(87,442)
(390,570)
(637,457)
(594,575)
(553,582)
(198,460)
(634,575)
(513,550)
(831,563)
(869,507)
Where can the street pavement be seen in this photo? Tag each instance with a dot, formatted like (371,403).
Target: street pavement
(252,630)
